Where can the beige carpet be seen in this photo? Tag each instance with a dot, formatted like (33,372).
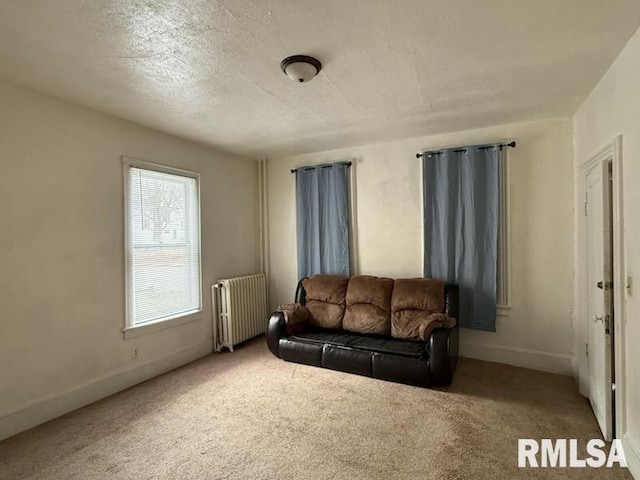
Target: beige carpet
(249,415)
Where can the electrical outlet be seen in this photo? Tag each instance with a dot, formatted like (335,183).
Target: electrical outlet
(135,353)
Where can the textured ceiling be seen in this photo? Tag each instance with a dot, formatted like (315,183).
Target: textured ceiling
(209,70)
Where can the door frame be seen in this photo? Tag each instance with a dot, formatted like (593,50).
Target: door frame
(613,153)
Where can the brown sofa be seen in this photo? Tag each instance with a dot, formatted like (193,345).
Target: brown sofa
(402,330)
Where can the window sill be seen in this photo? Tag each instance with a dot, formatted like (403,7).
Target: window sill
(149,327)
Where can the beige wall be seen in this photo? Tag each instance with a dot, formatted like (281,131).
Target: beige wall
(537,331)
(61,253)
(613,108)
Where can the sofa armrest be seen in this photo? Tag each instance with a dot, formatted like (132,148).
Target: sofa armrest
(443,354)
(276,329)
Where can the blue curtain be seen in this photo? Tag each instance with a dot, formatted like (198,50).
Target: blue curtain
(461,216)
(322,219)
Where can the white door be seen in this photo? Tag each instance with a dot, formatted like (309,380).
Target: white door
(599,284)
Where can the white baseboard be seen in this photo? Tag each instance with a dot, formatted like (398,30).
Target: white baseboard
(520,357)
(57,404)
(632,454)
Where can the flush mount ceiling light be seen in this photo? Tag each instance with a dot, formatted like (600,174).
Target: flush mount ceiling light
(300,68)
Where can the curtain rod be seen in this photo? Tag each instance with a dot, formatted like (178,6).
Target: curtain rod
(511,144)
(294,170)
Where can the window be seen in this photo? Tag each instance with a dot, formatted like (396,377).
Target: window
(162,243)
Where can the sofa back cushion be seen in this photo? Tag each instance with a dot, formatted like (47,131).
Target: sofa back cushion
(326,297)
(368,305)
(413,300)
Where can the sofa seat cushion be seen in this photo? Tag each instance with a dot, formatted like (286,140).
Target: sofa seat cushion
(325,299)
(388,345)
(368,307)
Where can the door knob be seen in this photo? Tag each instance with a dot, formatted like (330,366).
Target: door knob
(600,285)
(598,318)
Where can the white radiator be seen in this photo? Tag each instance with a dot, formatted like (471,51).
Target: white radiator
(239,308)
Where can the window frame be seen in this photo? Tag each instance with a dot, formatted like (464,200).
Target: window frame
(131,329)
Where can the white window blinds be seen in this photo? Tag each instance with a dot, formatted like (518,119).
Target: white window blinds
(163,245)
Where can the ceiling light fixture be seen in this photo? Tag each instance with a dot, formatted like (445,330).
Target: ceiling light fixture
(300,68)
